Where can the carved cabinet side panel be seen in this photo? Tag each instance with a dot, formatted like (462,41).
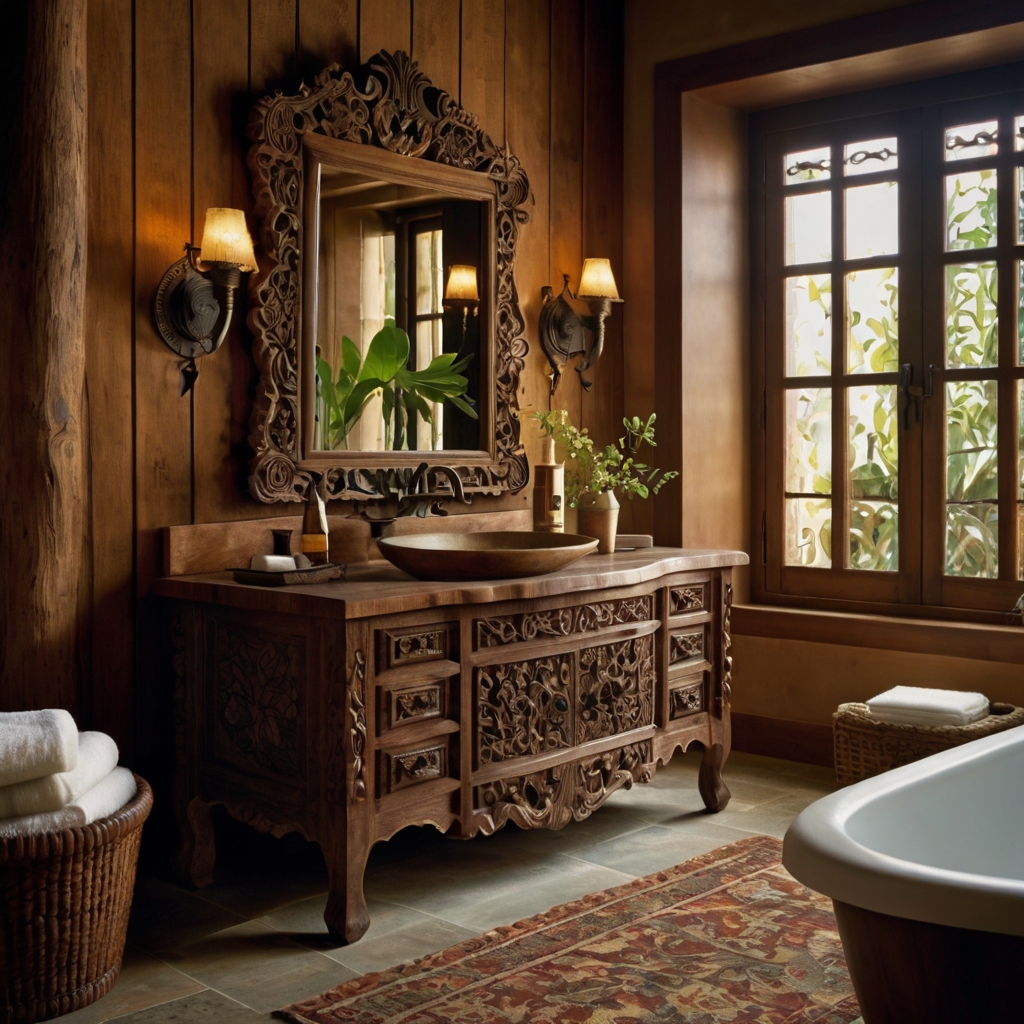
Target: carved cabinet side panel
(616,688)
(567,792)
(727,646)
(524,707)
(259,689)
(356,732)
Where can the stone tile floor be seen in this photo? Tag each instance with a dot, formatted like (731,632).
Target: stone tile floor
(255,940)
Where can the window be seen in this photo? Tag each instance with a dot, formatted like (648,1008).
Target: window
(890,284)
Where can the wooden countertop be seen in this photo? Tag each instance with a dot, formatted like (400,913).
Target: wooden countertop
(378,588)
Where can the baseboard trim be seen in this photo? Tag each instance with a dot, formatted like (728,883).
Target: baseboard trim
(809,742)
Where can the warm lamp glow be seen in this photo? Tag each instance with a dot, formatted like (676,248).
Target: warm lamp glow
(597,280)
(462,284)
(226,239)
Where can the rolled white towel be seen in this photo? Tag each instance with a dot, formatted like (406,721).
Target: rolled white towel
(918,705)
(97,758)
(106,797)
(34,744)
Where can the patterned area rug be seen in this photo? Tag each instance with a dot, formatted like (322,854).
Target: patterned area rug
(728,936)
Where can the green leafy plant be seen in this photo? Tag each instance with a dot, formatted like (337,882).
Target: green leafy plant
(590,471)
(384,371)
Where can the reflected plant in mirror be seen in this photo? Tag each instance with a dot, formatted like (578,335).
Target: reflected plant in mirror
(381,386)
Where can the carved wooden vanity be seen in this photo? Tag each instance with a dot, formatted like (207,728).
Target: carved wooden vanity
(350,710)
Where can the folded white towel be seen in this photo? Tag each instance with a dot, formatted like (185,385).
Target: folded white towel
(106,797)
(918,705)
(97,758)
(34,744)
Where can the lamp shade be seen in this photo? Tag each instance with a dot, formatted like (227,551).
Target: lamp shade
(597,280)
(226,239)
(462,283)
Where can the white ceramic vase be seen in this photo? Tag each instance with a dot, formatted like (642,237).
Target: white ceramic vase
(599,517)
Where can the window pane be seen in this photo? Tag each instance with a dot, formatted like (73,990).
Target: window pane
(429,429)
(971,321)
(873,480)
(809,441)
(808,228)
(872,321)
(872,220)
(429,270)
(808,325)
(1020,311)
(1018,136)
(874,536)
(972,511)
(966,141)
(810,165)
(971,210)
(972,540)
(809,532)
(867,157)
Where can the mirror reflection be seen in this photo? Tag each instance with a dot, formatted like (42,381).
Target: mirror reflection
(399,282)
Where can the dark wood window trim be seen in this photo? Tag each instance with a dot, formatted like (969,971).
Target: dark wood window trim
(908,43)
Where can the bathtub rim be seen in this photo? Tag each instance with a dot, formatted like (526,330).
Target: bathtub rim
(819,853)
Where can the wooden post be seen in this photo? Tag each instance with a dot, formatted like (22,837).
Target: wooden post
(42,359)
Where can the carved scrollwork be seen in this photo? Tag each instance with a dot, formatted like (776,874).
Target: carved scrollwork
(727,646)
(412,766)
(502,630)
(567,792)
(524,708)
(415,703)
(685,700)
(684,646)
(687,599)
(616,688)
(357,728)
(259,680)
(391,104)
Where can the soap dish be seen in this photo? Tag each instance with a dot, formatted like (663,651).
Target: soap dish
(289,577)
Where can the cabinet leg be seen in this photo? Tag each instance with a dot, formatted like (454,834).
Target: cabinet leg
(197,852)
(713,790)
(346,916)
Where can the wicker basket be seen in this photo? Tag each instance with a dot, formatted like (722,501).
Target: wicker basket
(864,746)
(66,897)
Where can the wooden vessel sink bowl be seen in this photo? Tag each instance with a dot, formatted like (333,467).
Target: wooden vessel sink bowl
(484,556)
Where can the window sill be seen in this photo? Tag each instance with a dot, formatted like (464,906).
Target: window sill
(977,641)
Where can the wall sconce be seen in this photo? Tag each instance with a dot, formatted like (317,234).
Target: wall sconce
(462,288)
(195,299)
(562,328)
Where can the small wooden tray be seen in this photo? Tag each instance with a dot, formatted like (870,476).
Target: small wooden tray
(289,577)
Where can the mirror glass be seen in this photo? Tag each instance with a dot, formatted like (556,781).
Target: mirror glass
(398,353)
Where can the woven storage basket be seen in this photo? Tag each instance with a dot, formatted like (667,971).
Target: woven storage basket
(865,746)
(64,913)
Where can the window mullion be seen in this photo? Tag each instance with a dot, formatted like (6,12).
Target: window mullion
(840,516)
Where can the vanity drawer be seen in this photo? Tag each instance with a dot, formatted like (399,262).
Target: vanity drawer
(686,697)
(403,646)
(410,766)
(687,645)
(687,598)
(407,705)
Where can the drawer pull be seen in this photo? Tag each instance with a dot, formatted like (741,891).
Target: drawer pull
(561,704)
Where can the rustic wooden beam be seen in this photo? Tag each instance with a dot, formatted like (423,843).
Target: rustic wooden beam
(42,354)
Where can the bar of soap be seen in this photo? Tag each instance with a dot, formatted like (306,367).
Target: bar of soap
(272,563)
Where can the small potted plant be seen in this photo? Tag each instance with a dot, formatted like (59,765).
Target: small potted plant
(593,476)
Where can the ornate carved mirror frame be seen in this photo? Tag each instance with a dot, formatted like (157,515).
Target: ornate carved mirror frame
(390,105)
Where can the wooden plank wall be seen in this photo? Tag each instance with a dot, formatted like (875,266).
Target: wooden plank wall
(170,86)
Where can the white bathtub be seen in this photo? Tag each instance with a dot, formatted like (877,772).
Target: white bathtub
(940,842)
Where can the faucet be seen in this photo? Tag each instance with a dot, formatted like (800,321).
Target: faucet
(415,498)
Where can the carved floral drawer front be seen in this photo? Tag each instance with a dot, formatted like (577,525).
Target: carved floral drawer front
(524,707)
(412,703)
(401,769)
(688,598)
(685,700)
(686,645)
(412,645)
(502,630)
(616,688)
